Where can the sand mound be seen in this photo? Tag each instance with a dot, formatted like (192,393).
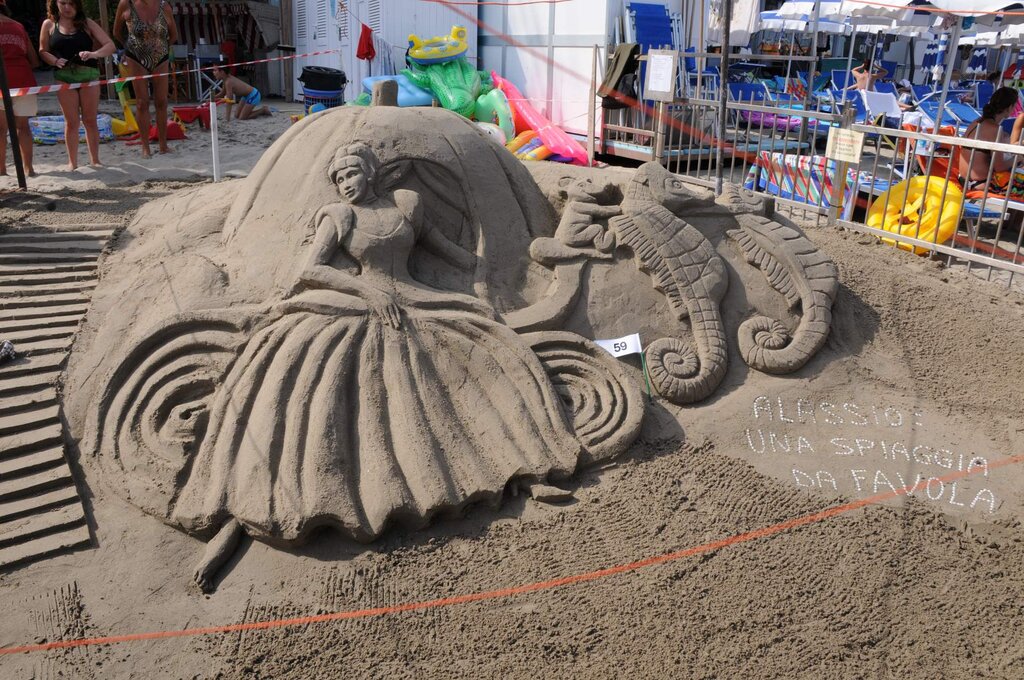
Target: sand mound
(915,386)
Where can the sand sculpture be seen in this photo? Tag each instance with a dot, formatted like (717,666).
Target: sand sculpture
(380,330)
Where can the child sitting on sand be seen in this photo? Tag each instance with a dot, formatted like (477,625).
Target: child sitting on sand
(235,90)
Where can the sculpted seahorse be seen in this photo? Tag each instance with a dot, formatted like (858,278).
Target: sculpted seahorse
(684,266)
(805,276)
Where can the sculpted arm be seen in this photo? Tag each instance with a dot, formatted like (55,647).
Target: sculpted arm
(318,272)
(333,223)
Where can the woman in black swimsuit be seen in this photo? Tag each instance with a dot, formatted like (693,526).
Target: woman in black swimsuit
(976,166)
(147,31)
(74,44)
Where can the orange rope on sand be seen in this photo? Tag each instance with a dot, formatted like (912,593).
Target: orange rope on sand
(518,590)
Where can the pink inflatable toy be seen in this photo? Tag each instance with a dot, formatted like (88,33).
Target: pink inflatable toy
(552,136)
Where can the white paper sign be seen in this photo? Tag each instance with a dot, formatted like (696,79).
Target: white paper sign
(618,347)
(660,82)
(844,145)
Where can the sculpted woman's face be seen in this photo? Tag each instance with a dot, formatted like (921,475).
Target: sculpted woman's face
(352,182)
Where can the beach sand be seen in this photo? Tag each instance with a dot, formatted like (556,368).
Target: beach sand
(920,379)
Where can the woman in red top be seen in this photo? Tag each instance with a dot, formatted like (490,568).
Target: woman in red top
(20,59)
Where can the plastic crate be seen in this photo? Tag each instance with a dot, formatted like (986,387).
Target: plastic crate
(329,98)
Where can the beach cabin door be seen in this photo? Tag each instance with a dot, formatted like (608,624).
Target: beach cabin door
(312,34)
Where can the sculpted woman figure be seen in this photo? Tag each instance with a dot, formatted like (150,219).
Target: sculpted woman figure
(366,396)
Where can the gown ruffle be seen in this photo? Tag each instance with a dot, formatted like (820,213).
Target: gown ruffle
(329,416)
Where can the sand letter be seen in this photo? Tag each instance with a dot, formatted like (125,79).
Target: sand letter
(840,441)
(796,477)
(889,416)
(856,478)
(782,415)
(881,475)
(831,417)
(952,495)
(864,445)
(825,476)
(777,444)
(857,417)
(991,500)
(978,461)
(805,407)
(750,442)
(802,443)
(762,405)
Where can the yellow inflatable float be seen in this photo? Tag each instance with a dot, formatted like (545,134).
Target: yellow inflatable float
(440,49)
(933,201)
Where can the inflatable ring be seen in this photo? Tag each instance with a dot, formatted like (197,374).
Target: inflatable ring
(521,140)
(931,200)
(537,153)
(50,129)
(439,49)
(494,108)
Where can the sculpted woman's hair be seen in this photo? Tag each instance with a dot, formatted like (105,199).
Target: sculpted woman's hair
(365,156)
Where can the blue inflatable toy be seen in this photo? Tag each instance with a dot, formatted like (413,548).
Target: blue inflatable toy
(409,93)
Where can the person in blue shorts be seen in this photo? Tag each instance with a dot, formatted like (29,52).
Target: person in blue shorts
(237,91)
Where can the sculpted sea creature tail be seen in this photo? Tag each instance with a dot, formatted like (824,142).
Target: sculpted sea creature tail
(684,375)
(805,276)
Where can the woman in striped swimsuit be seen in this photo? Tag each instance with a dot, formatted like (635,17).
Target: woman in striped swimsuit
(147,31)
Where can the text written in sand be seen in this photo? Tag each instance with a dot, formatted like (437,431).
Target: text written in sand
(880,446)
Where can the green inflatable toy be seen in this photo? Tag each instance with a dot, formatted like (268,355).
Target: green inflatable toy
(493,107)
(455,83)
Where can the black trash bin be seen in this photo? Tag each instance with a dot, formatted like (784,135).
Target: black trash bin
(323,78)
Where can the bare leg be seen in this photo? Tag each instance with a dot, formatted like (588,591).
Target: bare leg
(217,552)
(90,97)
(141,104)
(25,142)
(244,111)
(68,100)
(160,104)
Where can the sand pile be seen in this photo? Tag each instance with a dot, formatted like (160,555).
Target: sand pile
(915,386)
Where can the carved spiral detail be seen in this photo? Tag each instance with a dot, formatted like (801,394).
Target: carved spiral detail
(760,335)
(769,333)
(670,362)
(152,414)
(602,402)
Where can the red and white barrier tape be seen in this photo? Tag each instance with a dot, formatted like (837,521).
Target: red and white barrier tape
(43,89)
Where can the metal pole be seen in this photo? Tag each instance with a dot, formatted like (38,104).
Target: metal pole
(213,140)
(107,70)
(723,96)
(805,122)
(12,130)
(954,38)
(659,132)
(591,108)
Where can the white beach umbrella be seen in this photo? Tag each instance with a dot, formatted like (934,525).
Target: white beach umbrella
(985,12)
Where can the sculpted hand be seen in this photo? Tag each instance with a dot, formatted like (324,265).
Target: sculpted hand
(384,306)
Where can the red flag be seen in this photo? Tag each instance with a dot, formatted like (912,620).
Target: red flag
(365,49)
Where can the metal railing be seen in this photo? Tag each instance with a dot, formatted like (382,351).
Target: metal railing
(778,147)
